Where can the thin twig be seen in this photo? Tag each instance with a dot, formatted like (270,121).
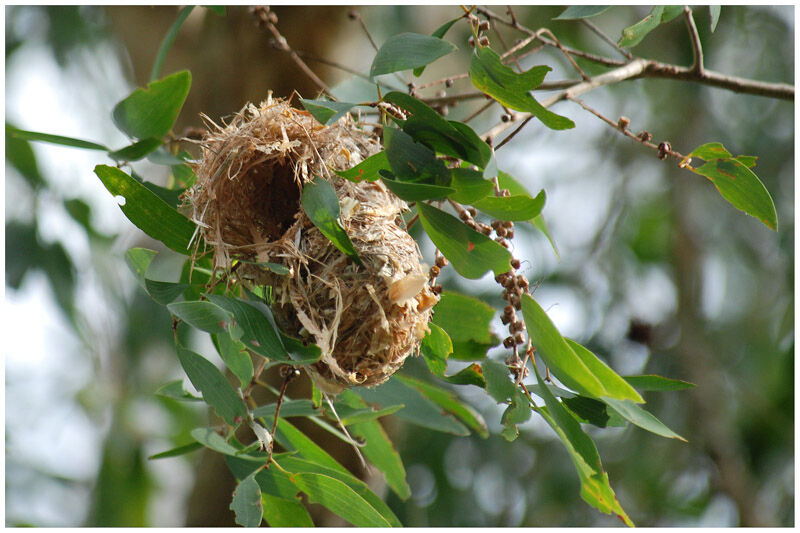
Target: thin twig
(478,111)
(697,48)
(600,33)
(561,47)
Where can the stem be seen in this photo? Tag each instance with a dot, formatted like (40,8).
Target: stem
(169,38)
(697,48)
(597,31)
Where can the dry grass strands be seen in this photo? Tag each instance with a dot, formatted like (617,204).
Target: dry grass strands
(366,320)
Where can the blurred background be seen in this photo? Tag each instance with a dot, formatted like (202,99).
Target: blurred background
(656,273)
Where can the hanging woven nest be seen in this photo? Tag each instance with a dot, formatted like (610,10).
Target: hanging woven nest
(366,319)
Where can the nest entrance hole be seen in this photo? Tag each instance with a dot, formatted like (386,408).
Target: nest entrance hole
(273,197)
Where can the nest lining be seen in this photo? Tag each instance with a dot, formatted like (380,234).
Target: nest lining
(366,320)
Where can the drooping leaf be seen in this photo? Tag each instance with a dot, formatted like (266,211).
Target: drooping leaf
(235,357)
(503,390)
(327,111)
(339,498)
(633,35)
(289,408)
(53,139)
(638,416)
(138,259)
(216,390)
(292,438)
(439,33)
(512,89)
(169,38)
(164,292)
(279,512)
(136,151)
(472,254)
(713,12)
(176,452)
(21,156)
(257,325)
(322,207)
(174,389)
(152,112)
(470,186)
(498,384)
(556,353)
(367,170)
(516,208)
(414,192)
(466,320)
(411,160)
(147,211)
(710,151)
(246,503)
(615,386)
(407,51)
(214,441)
(507,181)
(653,382)
(471,375)
(271,480)
(301,352)
(595,488)
(202,315)
(435,347)
(419,410)
(588,410)
(581,12)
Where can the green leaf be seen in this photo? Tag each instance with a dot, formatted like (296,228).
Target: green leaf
(339,498)
(151,112)
(246,502)
(219,10)
(216,390)
(633,35)
(580,12)
(419,410)
(710,151)
(615,386)
(301,352)
(472,254)
(174,389)
(147,211)
(742,189)
(507,181)
(258,328)
(466,320)
(414,192)
(202,315)
(289,408)
(503,390)
(589,410)
(407,51)
(556,353)
(138,259)
(652,382)
(435,347)
(53,139)
(322,207)
(378,448)
(491,76)
(164,292)
(136,151)
(327,111)
(172,197)
(470,186)
(169,38)
(713,13)
(450,403)
(235,357)
(638,416)
(284,513)
(367,170)
(175,452)
(595,488)
(498,384)
(516,208)
(20,154)
(409,159)
(471,375)
(439,33)
(747,160)
(214,441)
(292,438)
(541,225)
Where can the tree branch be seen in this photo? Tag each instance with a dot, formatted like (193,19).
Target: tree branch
(783,91)
(697,48)
(597,31)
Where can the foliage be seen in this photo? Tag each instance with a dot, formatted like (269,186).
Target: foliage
(434,163)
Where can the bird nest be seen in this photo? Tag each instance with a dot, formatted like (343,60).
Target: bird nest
(247,202)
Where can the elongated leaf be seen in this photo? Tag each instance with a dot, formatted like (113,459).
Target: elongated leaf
(202,315)
(136,151)
(340,499)
(151,112)
(407,51)
(747,160)
(710,151)
(450,403)
(164,292)
(498,384)
(589,411)
(21,156)
(216,390)
(713,12)
(438,32)
(516,208)
(175,452)
(289,408)
(235,357)
(322,207)
(556,353)
(507,181)
(435,348)
(414,192)
(657,383)
(616,387)
(633,35)
(53,139)
(214,441)
(327,111)
(284,513)
(491,76)
(466,320)
(246,502)
(359,416)
(595,488)
(367,170)
(257,325)
(581,12)
(174,389)
(742,189)
(302,353)
(419,410)
(470,186)
(638,416)
(138,259)
(471,375)
(292,438)
(471,253)
(169,38)
(146,210)
(411,160)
